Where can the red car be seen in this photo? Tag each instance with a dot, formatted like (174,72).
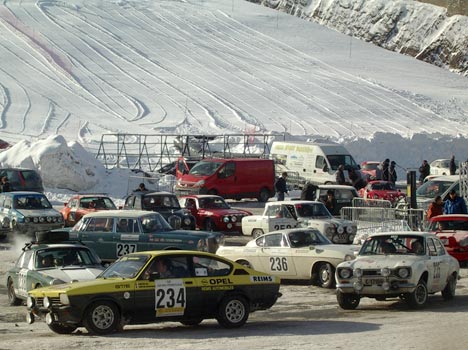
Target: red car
(83,204)
(452,229)
(212,213)
(381,190)
(369,169)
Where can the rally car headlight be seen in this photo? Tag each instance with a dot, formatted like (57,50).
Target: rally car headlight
(403,272)
(49,219)
(187,221)
(30,302)
(340,229)
(226,219)
(64,299)
(345,273)
(35,220)
(46,302)
(42,219)
(233,219)
(385,272)
(348,257)
(349,229)
(358,272)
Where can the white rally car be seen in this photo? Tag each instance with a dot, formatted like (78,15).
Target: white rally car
(296,254)
(408,265)
(290,214)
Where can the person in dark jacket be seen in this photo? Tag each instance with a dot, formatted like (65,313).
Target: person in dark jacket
(392,175)
(281,186)
(340,176)
(141,188)
(452,166)
(424,171)
(435,208)
(385,172)
(356,179)
(308,192)
(331,203)
(5,185)
(455,204)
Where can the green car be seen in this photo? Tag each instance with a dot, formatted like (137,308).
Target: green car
(114,233)
(43,264)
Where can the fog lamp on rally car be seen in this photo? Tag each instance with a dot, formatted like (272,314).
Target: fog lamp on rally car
(234,219)
(64,299)
(386,286)
(187,221)
(30,302)
(358,286)
(49,318)
(30,318)
(349,229)
(46,302)
(340,229)
(385,272)
(226,219)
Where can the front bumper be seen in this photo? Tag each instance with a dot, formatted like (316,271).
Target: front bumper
(59,314)
(388,287)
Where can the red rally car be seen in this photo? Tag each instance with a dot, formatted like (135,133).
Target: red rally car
(378,189)
(212,213)
(82,204)
(452,229)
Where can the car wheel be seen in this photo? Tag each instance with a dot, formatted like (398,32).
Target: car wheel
(101,317)
(60,328)
(209,225)
(233,311)
(347,301)
(257,232)
(12,299)
(418,297)
(194,322)
(325,275)
(449,291)
(264,195)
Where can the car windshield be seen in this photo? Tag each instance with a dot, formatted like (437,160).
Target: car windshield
(97,203)
(393,244)
(213,203)
(160,201)
(126,267)
(433,188)
(31,201)
(306,238)
(370,166)
(205,168)
(336,159)
(66,256)
(312,210)
(155,222)
(449,225)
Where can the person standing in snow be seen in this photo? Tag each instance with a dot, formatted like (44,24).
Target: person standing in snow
(435,208)
(392,175)
(455,204)
(385,174)
(281,187)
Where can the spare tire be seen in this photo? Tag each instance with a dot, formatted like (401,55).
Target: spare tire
(52,236)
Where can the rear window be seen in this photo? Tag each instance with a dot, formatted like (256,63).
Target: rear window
(23,179)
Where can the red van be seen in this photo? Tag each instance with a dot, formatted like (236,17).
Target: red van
(234,178)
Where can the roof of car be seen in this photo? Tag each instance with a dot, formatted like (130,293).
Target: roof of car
(120,213)
(23,193)
(446,217)
(403,233)
(159,193)
(201,196)
(344,187)
(172,252)
(294,202)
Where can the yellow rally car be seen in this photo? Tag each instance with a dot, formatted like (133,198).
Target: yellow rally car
(156,286)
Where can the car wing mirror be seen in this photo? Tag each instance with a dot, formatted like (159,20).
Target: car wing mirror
(154,276)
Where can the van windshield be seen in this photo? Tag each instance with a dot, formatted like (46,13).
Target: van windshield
(433,188)
(336,159)
(205,168)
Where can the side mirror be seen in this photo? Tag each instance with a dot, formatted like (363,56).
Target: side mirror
(325,168)
(154,276)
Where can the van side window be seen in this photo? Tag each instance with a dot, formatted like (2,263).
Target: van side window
(228,170)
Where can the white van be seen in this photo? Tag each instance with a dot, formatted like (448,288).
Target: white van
(316,162)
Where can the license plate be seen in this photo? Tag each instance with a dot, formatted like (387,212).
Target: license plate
(373,282)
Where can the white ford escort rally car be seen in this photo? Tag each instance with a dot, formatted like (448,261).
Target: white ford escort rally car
(291,214)
(409,265)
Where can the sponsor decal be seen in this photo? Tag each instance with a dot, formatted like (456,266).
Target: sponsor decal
(262,279)
(129,237)
(216,288)
(122,286)
(170,297)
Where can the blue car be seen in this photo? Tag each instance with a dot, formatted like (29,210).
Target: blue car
(27,213)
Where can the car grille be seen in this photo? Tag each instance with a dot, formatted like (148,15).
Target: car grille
(375,273)
(55,301)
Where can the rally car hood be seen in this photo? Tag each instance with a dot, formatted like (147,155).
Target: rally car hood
(337,248)
(381,261)
(39,212)
(74,273)
(222,212)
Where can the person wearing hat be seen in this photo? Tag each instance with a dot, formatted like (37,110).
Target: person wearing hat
(455,204)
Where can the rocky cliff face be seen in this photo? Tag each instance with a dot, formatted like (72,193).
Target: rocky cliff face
(421,30)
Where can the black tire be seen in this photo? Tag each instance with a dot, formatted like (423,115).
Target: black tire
(324,276)
(62,328)
(209,225)
(418,297)
(12,299)
(101,317)
(449,291)
(347,301)
(257,232)
(194,322)
(264,195)
(233,311)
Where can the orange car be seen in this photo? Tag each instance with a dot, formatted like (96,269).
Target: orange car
(83,204)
